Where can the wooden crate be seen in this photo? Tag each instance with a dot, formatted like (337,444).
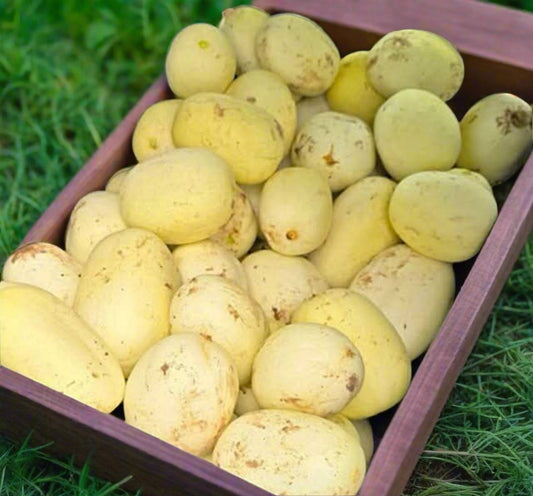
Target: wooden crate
(498,57)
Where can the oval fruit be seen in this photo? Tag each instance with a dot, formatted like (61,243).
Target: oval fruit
(291,453)
(125,291)
(45,340)
(183,195)
(295,210)
(412,58)
(183,391)
(300,51)
(413,291)
(416,131)
(200,58)
(442,215)
(307,367)
(496,137)
(360,229)
(386,364)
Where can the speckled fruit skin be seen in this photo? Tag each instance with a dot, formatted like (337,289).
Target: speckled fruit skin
(300,51)
(183,390)
(412,58)
(413,291)
(387,366)
(307,367)
(496,137)
(291,453)
(246,136)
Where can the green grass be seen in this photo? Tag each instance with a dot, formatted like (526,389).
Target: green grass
(69,71)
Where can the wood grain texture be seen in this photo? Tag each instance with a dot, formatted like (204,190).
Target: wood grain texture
(496,57)
(114,153)
(117,450)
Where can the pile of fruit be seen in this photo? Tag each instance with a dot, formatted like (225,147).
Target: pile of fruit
(256,287)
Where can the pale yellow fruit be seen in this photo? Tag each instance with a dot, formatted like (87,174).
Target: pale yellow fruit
(291,453)
(295,210)
(496,137)
(241,25)
(414,292)
(246,401)
(94,217)
(351,92)
(338,145)
(125,291)
(300,51)
(153,132)
(473,176)
(268,91)
(253,193)
(239,233)
(183,195)
(416,131)
(441,215)
(117,179)
(183,391)
(222,312)
(200,58)
(387,366)
(46,266)
(412,58)
(45,340)
(307,107)
(364,430)
(307,367)
(346,424)
(246,136)
(280,284)
(360,229)
(208,257)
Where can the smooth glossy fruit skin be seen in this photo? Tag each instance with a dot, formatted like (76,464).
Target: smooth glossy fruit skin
(295,210)
(413,58)
(200,58)
(351,92)
(442,215)
(300,51)
(416,131)
(496,137)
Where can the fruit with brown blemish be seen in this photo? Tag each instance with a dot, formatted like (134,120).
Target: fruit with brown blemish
(338,145)
(307,367)
(496,137)
(295,210)
(413,58)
